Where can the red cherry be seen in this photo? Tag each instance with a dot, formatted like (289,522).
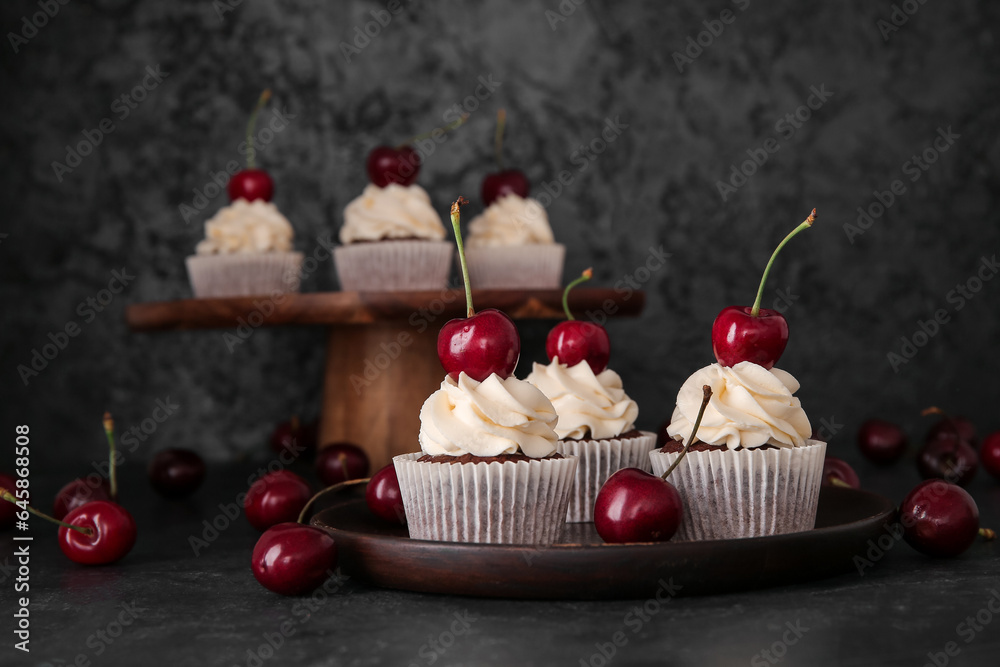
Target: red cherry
(292,559)
(79,492)
(989,454)
(939,519)
(276,498)
(113,533)
(293,437)
(176,473)
(949,458)
(393,165)
(340,462)
(881,442)
(480,345)
(251,184)
(502,183)
(738,336)
(840,470)
(574,341)
(8,511)
(384,497)
(635,506)
(966,431)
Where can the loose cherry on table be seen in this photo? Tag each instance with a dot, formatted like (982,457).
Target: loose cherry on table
(252,183)
(384,497)
(293,437)
(940,519)
(946,454)
(636,506)
(954,425)
(8,511)
(504,181)
(341,462)
(575,340)
(482,343)
(837,472)
(293,559)
(881,442)
(80,492)
(176,472)
(276,498)
(755,334)
(989,454)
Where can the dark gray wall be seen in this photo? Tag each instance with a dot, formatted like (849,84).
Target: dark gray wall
(656,184)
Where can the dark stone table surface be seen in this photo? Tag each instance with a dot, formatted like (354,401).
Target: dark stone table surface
(163,604)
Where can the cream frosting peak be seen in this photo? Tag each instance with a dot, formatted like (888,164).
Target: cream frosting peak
(393,212)
(511,220)
(246,227)
(588,405)
(750,406)
(489,418)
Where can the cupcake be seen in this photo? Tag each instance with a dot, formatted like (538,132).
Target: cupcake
(247,251)
(753,469)
(488,470)
(510,245)
(392,239)
(596,424)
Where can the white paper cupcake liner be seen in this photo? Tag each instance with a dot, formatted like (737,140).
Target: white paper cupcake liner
(527,266)
(599,459)
(746,493)
(393,265)
(521,502)
(216,276)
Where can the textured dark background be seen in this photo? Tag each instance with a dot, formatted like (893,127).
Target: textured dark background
(655,185)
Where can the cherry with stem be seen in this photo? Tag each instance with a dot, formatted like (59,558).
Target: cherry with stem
(401,164)
(947,457)
(574,340)
(504,181)
(252,183)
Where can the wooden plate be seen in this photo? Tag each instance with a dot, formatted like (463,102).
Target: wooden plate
(582,567)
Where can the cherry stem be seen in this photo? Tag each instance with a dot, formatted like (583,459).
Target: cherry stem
(252,124)
(584,277)
(109,431)
(9,497)
(446,128)
(805,224)
(694,431)
(987,534)
(342,458)
(456,219)
(498,138)
(836,481)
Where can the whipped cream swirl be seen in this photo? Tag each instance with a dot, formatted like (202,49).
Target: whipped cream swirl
(511,220)
(750,407)
(246,227)
(588,405)
(393,212)
(487,418)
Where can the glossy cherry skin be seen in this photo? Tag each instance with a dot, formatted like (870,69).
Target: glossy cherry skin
(737,336)
(636,506)
(480,345)
(393,165)
(834,468)
(384,497)
(176,473)
(574,341)
(294,437)
(80,492)
(989,454)
(502,183)
(113,536)
(340,462)
(292,558)
(881,442)
(966,431)
(276,498)
(251,184)
(8,511)
(948,458)
(939,519)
